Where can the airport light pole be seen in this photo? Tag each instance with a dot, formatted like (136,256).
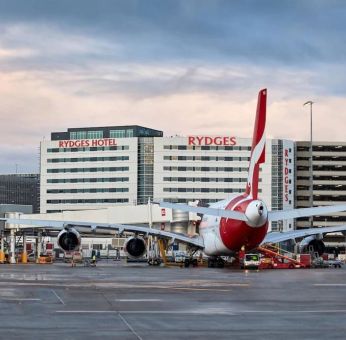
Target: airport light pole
(311,164)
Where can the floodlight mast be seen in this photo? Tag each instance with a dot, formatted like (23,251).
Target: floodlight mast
(311,199)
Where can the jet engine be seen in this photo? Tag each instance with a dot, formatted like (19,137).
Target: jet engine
(69,239)
(135,247)
(313,242)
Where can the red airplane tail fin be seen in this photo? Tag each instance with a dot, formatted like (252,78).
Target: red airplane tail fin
(258,145)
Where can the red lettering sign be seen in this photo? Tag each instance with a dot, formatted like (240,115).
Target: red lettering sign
(286,172)
(77,143)
(207,140)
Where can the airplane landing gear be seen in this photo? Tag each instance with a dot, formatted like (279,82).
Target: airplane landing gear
(154,261)
(216,262)
(190,261)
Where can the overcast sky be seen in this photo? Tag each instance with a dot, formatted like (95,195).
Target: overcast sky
(184,67)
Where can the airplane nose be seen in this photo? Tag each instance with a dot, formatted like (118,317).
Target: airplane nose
(260,209)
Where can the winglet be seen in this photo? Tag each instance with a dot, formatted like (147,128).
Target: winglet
(258,145)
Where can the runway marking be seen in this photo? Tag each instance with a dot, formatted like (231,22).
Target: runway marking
(295,312)
(58,297)
(87,311)
(121,285)
(208,311)
(201,289)
(20,299)
(138,300)
(130,327)
(329,284)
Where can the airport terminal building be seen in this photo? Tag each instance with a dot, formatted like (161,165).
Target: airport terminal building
(98,167)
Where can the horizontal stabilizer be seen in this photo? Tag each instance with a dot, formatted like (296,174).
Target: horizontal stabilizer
(235,215)
(304,212)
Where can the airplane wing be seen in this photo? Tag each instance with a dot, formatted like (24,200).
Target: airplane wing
(105,228)
(276,237)
(205,211)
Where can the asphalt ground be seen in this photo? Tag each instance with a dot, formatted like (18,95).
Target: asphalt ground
(134,301)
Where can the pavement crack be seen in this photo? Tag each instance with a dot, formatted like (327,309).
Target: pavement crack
(58,297)
(130,327)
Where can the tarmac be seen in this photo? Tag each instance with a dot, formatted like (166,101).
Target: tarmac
(116,300)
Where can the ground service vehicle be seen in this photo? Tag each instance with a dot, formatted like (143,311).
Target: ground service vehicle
(251,261)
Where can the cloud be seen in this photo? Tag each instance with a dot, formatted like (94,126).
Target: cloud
(186,67)
(285,32)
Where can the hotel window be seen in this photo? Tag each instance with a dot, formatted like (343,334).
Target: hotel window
(78,135)
(73,135)
(117,133)
(95,134)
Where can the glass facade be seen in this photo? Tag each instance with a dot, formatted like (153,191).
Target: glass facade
(86,134)
(94,134)
(127,133)
(20,189)
(145,185)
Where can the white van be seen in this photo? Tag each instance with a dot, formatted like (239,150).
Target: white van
(251,261)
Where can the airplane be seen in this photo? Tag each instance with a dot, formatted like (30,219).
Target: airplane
(228,226)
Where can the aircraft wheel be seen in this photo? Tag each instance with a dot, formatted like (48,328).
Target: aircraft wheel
(211,263)
(220,263)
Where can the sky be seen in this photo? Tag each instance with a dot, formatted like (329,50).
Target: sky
(184,66)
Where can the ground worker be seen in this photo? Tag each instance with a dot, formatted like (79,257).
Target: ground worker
(93,259)
(73,264)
